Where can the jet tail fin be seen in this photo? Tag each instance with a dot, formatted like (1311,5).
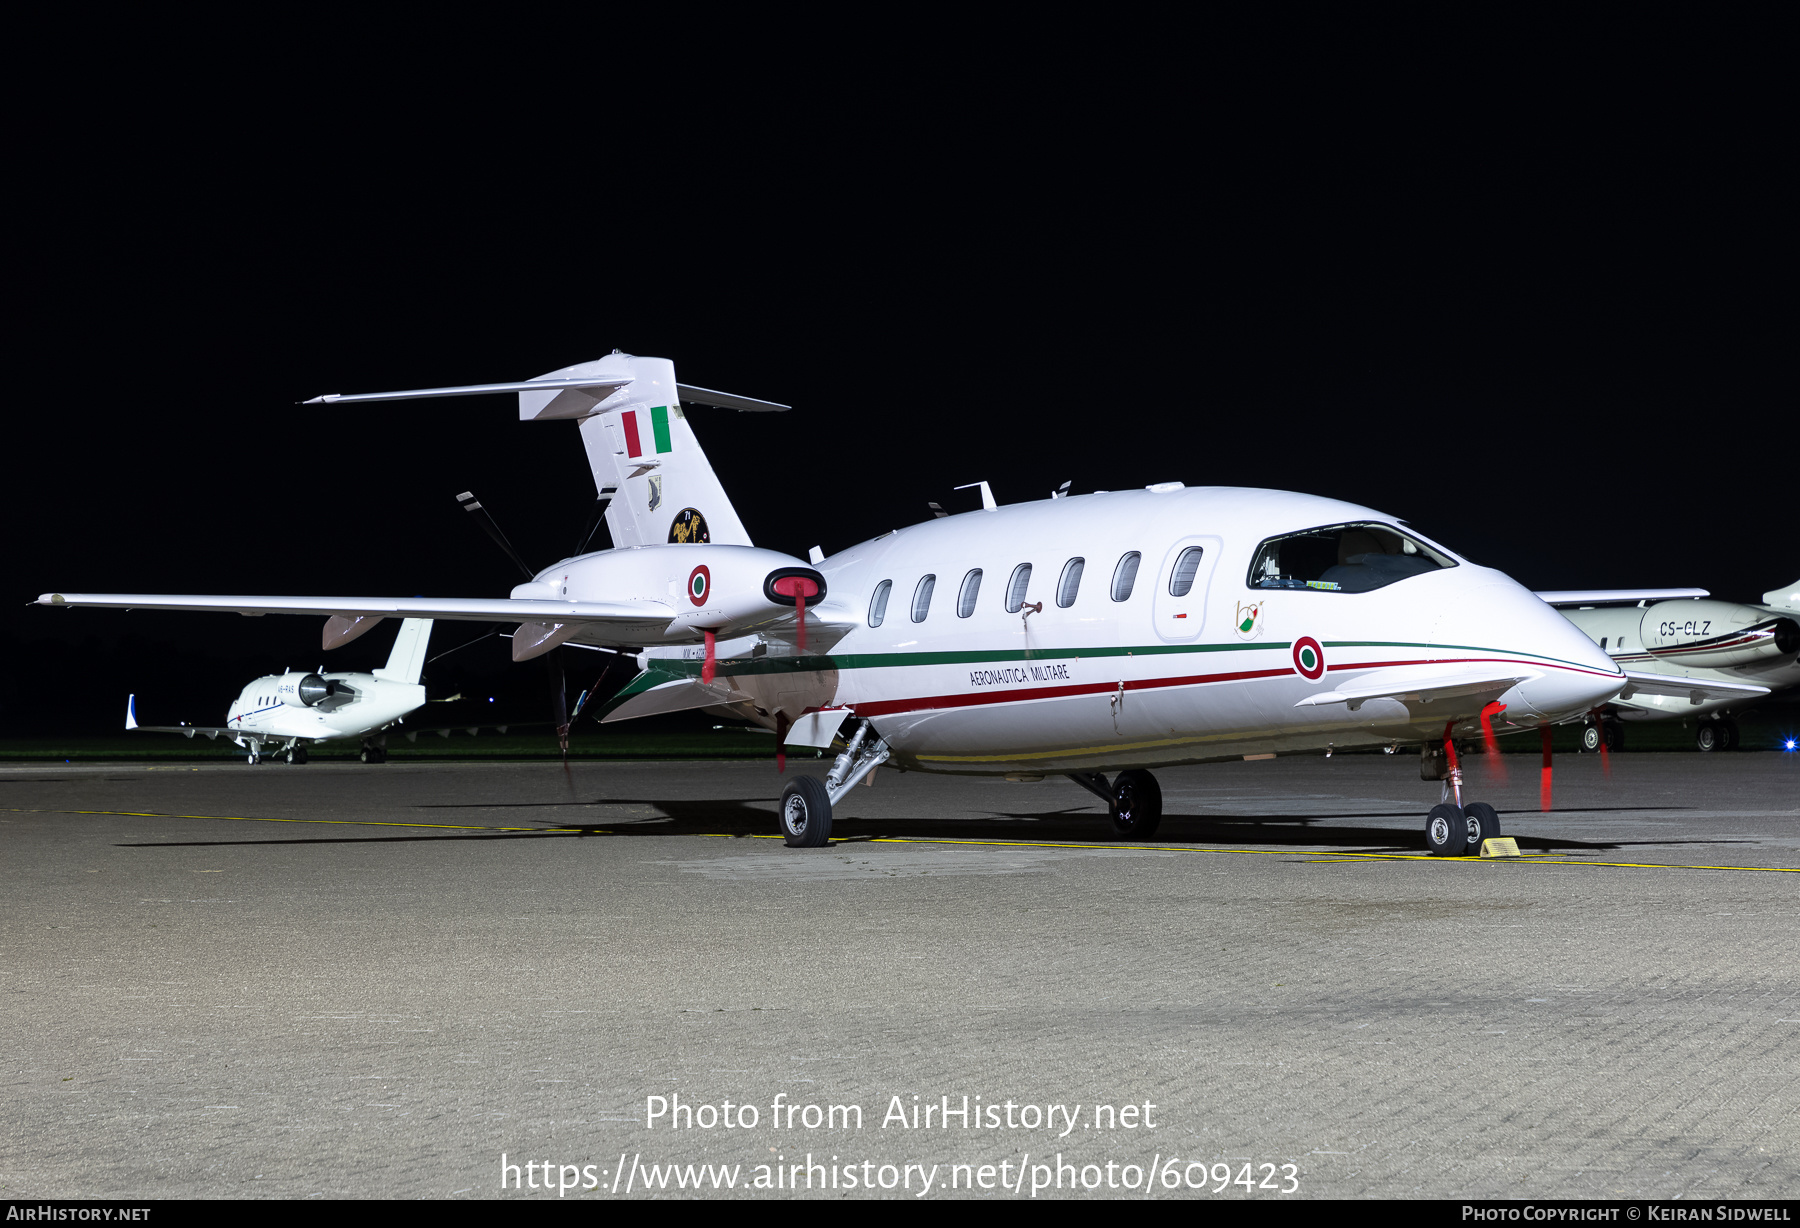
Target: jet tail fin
(407,661)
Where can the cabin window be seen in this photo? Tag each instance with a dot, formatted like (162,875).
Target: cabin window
(1125,576)
(1070,584)
(1015,588)
(922,598)
(1603,643)
(971,588)
(878,603)
(1181,580)
(1343,558)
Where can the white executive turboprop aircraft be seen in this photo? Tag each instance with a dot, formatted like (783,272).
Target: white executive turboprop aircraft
(293,710)
(1111,632)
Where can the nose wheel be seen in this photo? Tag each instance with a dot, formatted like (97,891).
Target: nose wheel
(1457,831)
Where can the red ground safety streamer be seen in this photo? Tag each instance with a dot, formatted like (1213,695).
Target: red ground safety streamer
(1496,765)
(1544,775)
(708,667)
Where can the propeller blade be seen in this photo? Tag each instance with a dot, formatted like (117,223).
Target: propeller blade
(559,699)
(1544,775)
(473,506)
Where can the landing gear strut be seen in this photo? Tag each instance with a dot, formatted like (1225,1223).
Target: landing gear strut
(807,802)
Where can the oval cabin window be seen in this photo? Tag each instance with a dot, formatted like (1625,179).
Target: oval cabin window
(1125,576)
(1070,584)
(971,588)
(1015,588)
(1181,580)
(922,598)
(878,603)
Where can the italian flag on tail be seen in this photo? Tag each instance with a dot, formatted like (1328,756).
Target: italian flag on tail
(659,431)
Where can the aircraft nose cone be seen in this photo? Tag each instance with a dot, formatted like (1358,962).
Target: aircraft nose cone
(1575,675)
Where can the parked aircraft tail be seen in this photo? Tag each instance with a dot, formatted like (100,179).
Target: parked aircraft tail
(407,661)
(642,450)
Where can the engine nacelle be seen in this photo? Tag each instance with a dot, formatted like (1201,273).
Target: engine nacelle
(1716,634)
(302,690)
(726,589)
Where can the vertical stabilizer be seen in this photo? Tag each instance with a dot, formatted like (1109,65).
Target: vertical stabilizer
(643,451)
(407,661)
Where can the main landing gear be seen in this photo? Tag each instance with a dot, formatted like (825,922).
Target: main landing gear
(373,753)
(1451,828)
(1133,801)
(807,801)
(1720,734)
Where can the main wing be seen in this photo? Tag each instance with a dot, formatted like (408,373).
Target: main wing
(1694,690)
(623,622)
(1617,596)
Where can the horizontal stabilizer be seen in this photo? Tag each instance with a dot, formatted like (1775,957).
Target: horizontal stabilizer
(598,386)
(1617,596)
(728,400)
(1694,690)
(1420,686)
(627,622)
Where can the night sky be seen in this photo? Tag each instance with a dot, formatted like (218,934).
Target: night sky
(1560,344)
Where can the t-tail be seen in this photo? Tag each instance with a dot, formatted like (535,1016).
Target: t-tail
(648,467)
(642,449)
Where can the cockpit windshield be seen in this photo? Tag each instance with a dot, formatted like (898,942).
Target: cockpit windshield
(1343,558)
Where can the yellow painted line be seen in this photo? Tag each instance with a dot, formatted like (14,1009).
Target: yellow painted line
(1163,848)
(241,818)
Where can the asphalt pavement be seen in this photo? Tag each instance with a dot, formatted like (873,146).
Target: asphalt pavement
(377,981)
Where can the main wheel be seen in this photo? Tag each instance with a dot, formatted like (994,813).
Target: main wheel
(1615,735)
(1729,728)
(1136,806)
(806,813)
(1590,737)
(1446,831)
(1708,736)
(1483,822)
(374,754)
(296,754)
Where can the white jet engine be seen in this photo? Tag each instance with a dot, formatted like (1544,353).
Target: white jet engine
(1716,634)
(302,690)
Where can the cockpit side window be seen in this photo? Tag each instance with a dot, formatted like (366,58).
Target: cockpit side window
(1343,558)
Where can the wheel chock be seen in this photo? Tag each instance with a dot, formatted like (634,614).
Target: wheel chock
(1499,847)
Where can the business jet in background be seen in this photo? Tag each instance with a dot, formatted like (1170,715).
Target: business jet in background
(292,711)
(1097,636)
(1730,655)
